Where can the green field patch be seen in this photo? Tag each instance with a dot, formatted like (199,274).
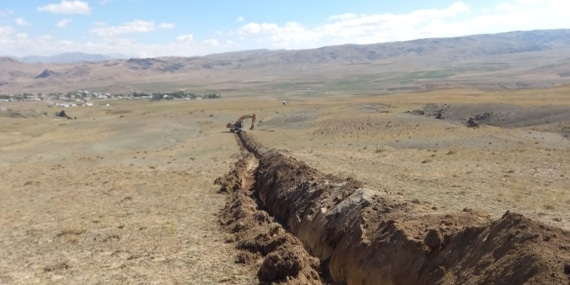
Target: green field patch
(358,82)
(426,74)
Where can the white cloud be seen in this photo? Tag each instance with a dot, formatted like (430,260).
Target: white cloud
(352,28)
(293,35)
(46,37)
(67,7)
(63,23)
(255,28)
(22,22)
(185,38)
(5,34)
(520,15)
(506,7)
(137,26)
(342,17)
(166,26)
(239,19)
(453,20)
(212,42)
(386,27)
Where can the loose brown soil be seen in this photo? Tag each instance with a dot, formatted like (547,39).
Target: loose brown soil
(279,256)
(363,237)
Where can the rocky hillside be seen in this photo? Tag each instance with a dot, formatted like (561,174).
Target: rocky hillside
(508,60)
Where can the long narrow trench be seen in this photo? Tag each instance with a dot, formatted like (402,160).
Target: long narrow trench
(311,228)
(261,239)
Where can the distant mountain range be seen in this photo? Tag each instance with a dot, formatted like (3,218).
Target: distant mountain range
(69,57)
(507,60)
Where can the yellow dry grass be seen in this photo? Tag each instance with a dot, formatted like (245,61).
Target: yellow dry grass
(110,200)
(125,194)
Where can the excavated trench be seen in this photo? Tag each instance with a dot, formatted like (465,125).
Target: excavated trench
(300,226)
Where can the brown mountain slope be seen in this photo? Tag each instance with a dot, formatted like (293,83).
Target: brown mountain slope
(508,60)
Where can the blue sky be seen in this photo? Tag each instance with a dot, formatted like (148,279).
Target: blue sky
(152,28)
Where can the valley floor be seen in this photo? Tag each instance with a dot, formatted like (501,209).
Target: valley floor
(125,193)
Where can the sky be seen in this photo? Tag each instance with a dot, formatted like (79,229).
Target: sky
(152,28)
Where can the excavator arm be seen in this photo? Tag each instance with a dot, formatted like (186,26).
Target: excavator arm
(238,125)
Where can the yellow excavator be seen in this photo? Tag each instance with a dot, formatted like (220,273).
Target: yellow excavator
(238,125)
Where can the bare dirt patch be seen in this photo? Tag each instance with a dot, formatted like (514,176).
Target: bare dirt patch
(18,113)
(504,115)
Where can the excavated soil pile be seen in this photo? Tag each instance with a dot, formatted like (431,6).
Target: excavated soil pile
(10,113)
(363,237)
(549,118)
(279,256)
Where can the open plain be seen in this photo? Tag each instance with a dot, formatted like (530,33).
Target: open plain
(125,193)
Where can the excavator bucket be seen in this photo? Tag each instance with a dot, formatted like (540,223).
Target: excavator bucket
(238,125)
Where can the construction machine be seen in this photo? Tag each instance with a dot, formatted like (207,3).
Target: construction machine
(238,125)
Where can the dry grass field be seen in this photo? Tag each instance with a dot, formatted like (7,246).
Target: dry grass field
(439,162)
(124,194)
(121,195)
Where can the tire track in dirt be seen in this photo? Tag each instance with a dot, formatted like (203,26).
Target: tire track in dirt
(360,236)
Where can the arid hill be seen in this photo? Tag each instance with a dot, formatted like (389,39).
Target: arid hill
(507,60)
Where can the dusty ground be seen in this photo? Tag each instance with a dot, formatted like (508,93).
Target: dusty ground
(125,194)
(110,200)
(523,168)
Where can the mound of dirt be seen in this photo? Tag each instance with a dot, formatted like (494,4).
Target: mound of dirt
(364,237)
(436,111)
(258,236)
(10,113)
(62,114)
(472,122)
(501,115)
(416,112)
